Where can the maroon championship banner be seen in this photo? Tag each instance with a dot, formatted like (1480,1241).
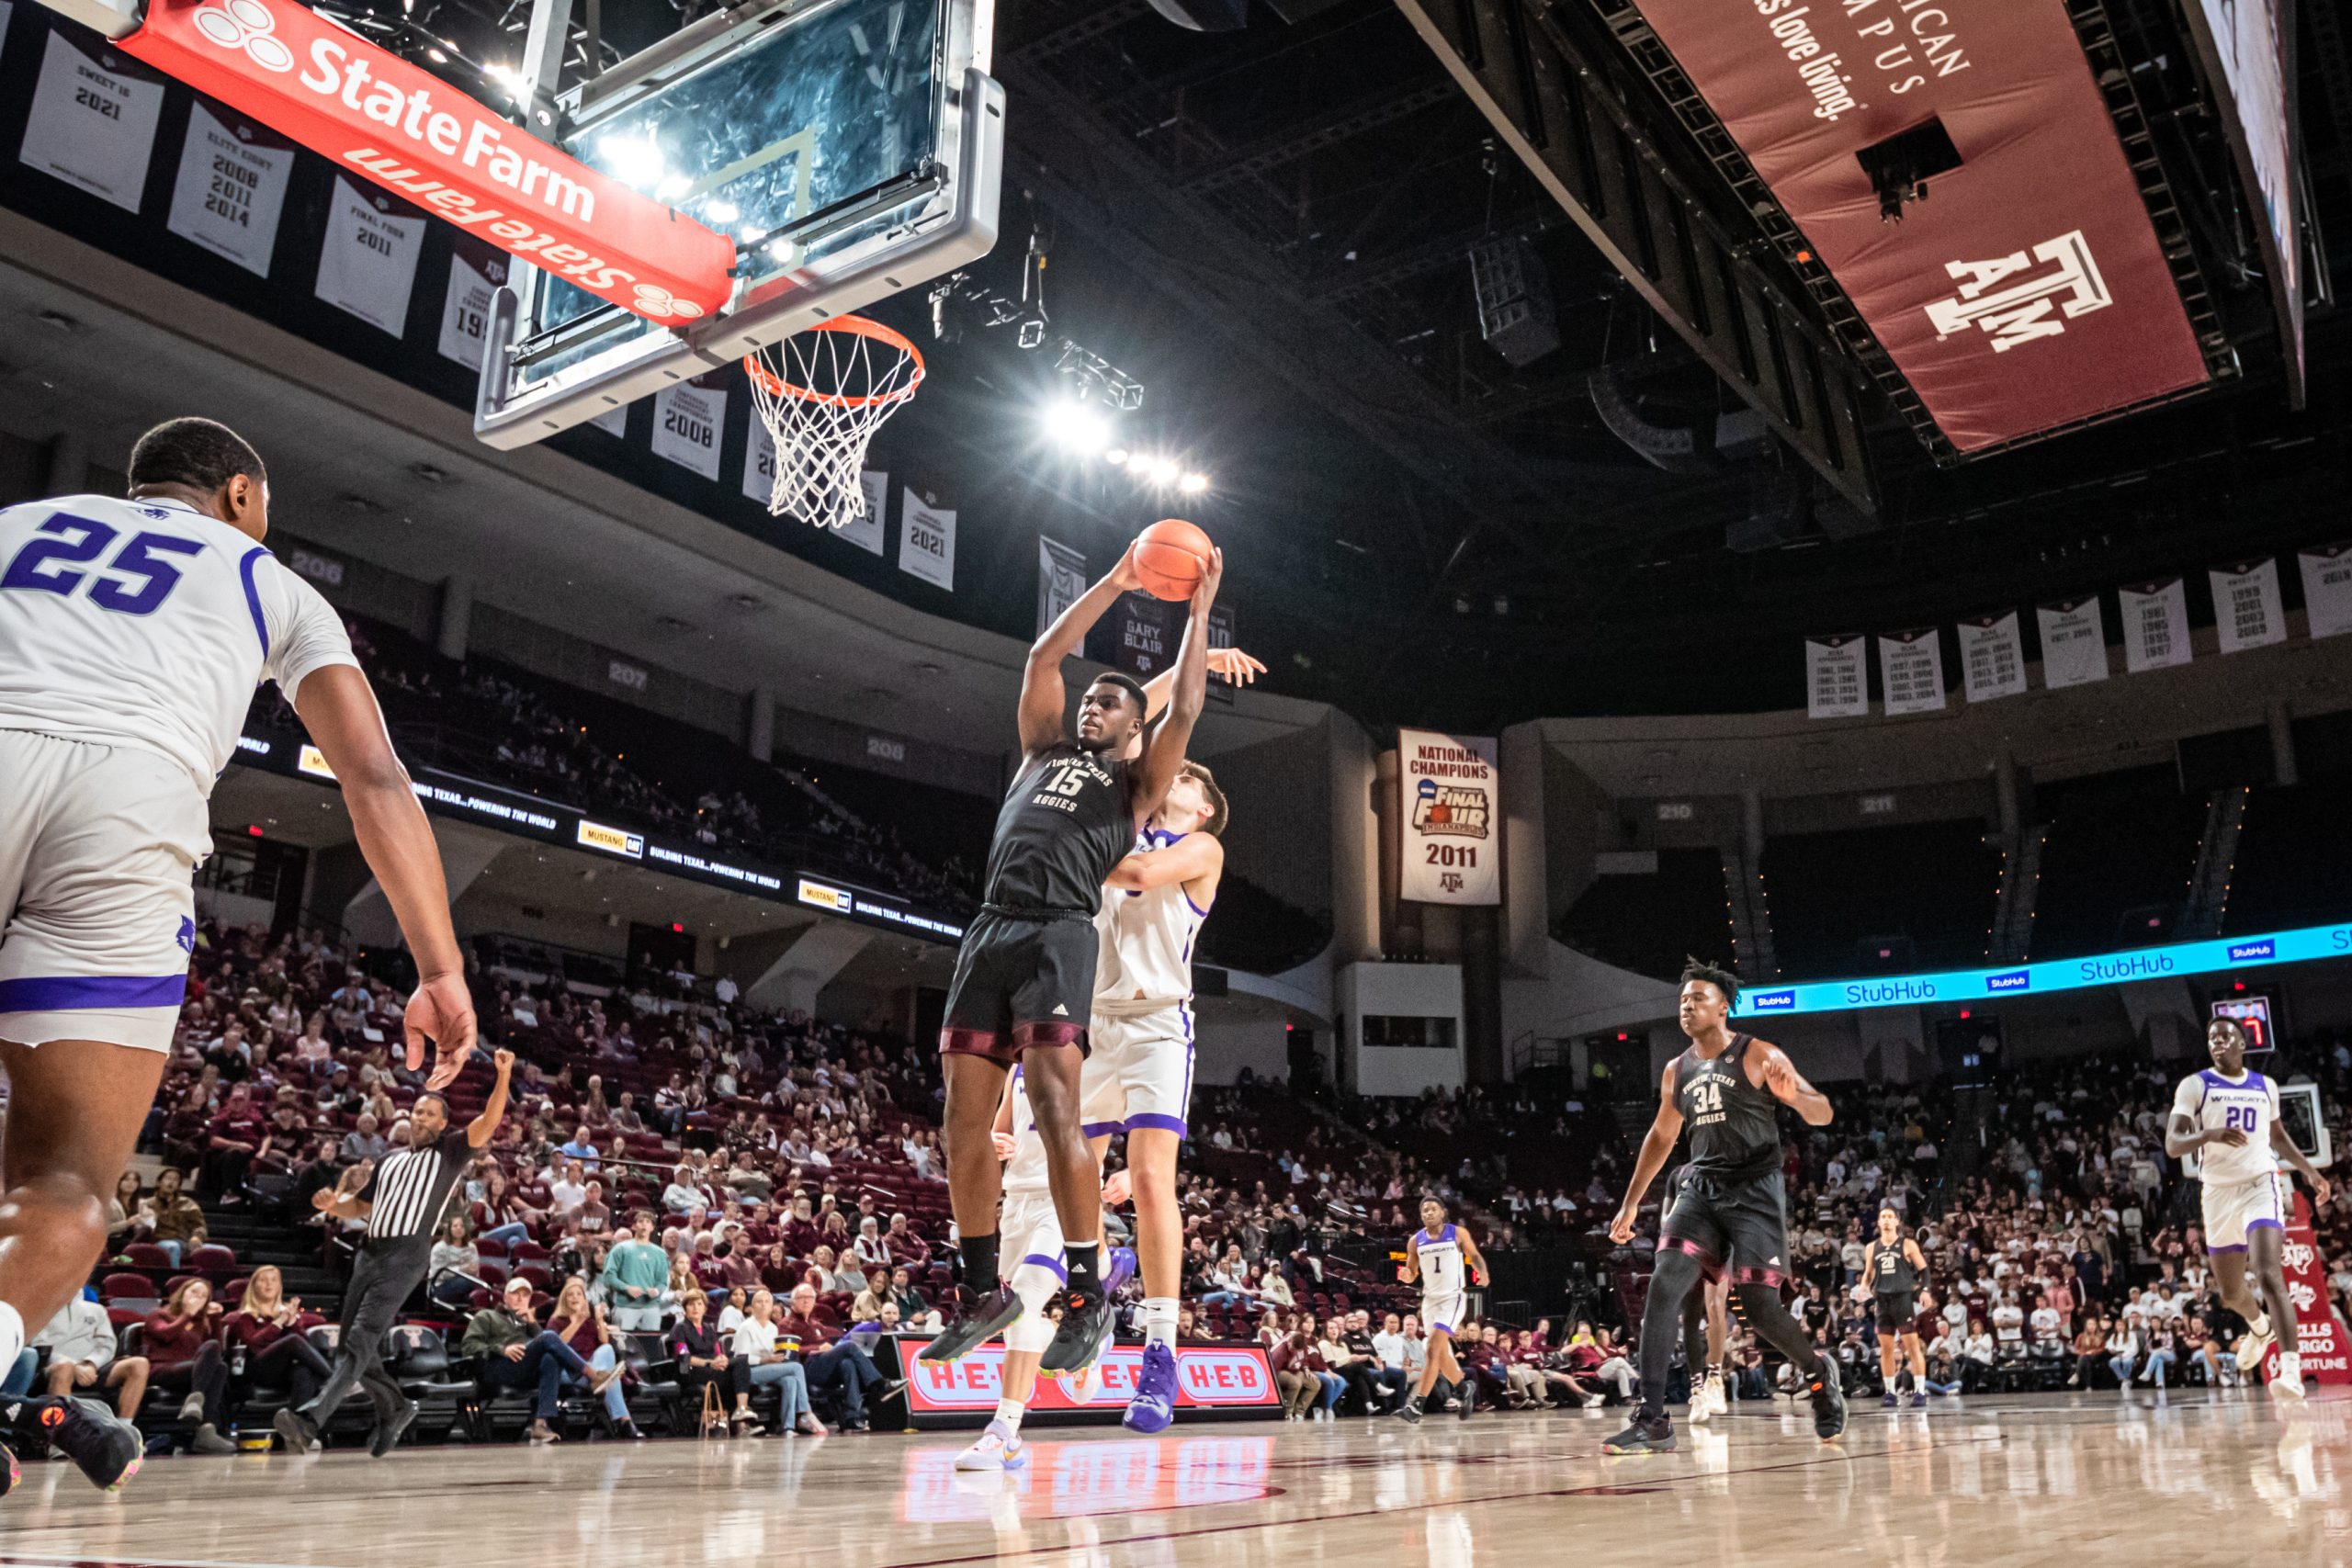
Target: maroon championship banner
(2028,290)
(1235,1379)
(2320,1334)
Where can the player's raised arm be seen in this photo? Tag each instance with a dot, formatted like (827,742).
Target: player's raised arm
(1230,664)
(1789,1086)
(1658,1144)
(1192,858)
(484,1127)
(1043,695)
(339,710)
(1163,750)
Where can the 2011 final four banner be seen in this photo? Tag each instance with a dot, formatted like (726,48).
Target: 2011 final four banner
(1449,819)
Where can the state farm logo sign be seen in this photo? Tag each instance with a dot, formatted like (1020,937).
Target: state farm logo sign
(2059,275)
(246,24)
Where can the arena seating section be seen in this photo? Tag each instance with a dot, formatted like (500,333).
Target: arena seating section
(2117,842)
(1935,883)
(1650,923)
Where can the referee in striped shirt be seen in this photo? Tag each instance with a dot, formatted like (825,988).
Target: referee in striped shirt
(402,1204)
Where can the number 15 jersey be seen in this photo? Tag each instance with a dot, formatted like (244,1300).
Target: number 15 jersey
(147,624)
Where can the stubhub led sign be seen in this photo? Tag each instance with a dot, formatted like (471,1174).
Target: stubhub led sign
(2298,946)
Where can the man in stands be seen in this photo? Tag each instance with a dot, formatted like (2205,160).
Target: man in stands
(635,1273)
(845,1366)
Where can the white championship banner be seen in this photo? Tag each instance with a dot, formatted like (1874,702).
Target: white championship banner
(1992,657)
(688,419)
(2327,588)
(92,121)
(231,189)
(1837,685)
(2156,624)
(1061,581)
(866,532)
(476,274)
(927,542)
(1911,670)
(2074,642)
(368,264)
(615,421)
(2248,610)
(1449,819)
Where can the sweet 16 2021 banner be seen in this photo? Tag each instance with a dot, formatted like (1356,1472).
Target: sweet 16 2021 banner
(1449,819)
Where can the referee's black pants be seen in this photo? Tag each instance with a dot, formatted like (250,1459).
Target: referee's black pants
(381,1277)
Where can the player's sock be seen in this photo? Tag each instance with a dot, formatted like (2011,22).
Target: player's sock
(979,1262)
(1084,1258)
(1009,1412)
(1159,1321)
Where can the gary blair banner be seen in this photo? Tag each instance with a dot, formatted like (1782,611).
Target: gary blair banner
(1449,819)
(2029,290)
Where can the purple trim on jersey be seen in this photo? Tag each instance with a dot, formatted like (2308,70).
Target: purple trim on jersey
(1418,1236)
(1041,1260)
(1449,1235)
(1197,908)
(71,993)
(253,595)
(2264,1225)
(1154,1118)
(2240,1248)
(1102,1129)
(1192,1057)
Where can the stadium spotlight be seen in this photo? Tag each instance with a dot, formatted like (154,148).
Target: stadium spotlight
(1164,471)
(1076,427)
(1116,457)
(1195,483)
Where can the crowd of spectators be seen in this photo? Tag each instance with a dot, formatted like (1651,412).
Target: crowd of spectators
(763,1193)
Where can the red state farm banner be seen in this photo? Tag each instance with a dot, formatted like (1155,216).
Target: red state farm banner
(379,116)
(2028,290)
(1227,1377)
(2320,1333)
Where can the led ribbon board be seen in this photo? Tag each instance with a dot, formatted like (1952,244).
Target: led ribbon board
(1976,986)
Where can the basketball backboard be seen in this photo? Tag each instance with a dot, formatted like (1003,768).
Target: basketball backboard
(852,148)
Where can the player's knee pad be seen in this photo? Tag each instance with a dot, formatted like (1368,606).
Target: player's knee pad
(1031,1332)
(1036,1285)
(1759,1299)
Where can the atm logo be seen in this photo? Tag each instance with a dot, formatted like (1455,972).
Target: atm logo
(1783,1000)
(2010,980)
(2245,951)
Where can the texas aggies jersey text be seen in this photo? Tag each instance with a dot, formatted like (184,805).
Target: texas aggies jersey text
(147,624)
(1066,824)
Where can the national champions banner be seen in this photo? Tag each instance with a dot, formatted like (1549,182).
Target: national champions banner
(1448,818)
(2029,291)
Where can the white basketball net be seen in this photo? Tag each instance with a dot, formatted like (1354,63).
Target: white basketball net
(823,393)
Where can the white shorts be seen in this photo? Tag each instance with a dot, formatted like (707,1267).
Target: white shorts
(97,845)
(1139,1071)
(1028,1231)
(2233,1209)
(1446,1312)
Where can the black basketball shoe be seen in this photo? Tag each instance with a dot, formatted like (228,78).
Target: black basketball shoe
(982,1319)
(1828,1402)
(1085,1330)
(105,1447)
(1648,1434)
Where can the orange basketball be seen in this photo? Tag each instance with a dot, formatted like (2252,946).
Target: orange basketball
(1171,554)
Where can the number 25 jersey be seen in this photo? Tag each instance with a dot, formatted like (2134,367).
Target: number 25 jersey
(147,624)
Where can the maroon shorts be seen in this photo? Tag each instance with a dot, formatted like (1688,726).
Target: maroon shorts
(1020,982)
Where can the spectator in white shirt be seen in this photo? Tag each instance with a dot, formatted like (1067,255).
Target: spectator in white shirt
(80,1341)
(2049,1342)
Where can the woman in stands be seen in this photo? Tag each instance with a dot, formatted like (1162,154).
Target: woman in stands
(126,1214)
(184,1356)
(581,1326)
(700,1352)
(264,1341)
(500,1216)
(454,1273)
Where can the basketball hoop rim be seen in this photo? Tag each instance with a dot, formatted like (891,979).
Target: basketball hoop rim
(776,386)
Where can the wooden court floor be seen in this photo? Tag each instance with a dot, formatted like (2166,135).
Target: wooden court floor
(2147,1483)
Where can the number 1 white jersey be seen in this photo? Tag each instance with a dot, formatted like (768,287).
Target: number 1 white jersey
(147,624)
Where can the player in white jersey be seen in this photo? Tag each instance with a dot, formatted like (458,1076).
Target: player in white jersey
(1029,1259)
(2228,1117)
(132,634)
(1138,1076)
(1438,1256)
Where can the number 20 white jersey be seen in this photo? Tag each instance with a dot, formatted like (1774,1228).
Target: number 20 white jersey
(2249,1105)
(147,624)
